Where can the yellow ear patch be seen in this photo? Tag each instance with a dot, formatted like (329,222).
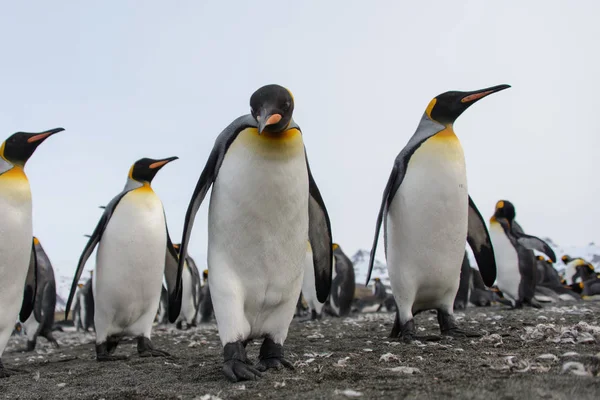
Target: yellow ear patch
(493,219)
(500,204)
(430,107)
(205,272)
(335,246)
(36,240)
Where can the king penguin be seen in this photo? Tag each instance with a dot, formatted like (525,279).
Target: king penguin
(17,261)
(309,290)
(190,297)
(514,256)
(427,215)
(344,283)
(134,250)
(263,208)
(41,320)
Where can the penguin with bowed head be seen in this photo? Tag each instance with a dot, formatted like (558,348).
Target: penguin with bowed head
(134,250)
(264,206)
(427,214)
(17,264)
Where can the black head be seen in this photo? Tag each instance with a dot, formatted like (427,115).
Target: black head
(145,169)
(272,107)
(205,274)
(20,146)
(566,259)
(505,209)
(447,107)
(540,258)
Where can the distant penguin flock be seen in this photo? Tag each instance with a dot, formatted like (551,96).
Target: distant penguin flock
(271,254)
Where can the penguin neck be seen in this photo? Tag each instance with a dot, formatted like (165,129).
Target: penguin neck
(132,184)
(5,165)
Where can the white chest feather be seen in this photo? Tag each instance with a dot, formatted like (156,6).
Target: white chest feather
(427,220)
(258,217)
(131,257)
(507,262)
(16,232)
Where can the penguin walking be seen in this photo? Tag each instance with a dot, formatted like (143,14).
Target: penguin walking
(427,214)
(206,305)
(41,320)
(264,206)
(134,250)
(309,290)
(343,284)
(462,296)
(17,261)
(514,256)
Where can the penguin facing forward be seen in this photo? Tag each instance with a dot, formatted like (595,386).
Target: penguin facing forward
(427,214)
(17,263)
(514,256)
(343,284)
(309,290)
(134,250)
(41,320)
(264,206)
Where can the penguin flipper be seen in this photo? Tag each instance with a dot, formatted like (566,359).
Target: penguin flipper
(481,244)
(91,244)
(173,271)
(535,243)
(29,294)
(209,174)
(319,236)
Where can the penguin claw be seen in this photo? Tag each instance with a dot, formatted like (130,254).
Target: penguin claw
(274,363)
(236,370)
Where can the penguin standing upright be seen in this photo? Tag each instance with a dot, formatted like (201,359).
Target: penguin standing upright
(41,320)
(344,283)
(427,214)
(134,250)
(264,206)
(17,255)
(190,295)
(514,256)
(206,305)
(309,290)
(462,296)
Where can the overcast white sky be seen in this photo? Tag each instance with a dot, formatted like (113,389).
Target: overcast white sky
(130,79)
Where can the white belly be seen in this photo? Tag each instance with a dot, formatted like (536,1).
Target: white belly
(130,265)
(188,309)
(16,235)
(334,306)
(427,227)
(309,290)
(258,230)
(507,262)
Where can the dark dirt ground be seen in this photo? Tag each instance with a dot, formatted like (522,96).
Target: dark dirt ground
(553,353)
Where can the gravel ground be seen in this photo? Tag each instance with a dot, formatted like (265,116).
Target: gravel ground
(553,353)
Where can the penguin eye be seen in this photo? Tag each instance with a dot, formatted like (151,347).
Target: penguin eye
(286,105)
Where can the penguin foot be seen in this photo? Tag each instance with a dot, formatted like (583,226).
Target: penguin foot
(236,366)
(30,346)
(146,349)
(406,332)
(449,328)
(535,304)
(111,344)
(103,353)
(314,316)
(271,356)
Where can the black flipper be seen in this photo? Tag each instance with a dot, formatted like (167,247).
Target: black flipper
(208,176)
(28,303)
(319,235)
(481,244)
(426,129)
(173,271)
(535,243)
(91,244)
